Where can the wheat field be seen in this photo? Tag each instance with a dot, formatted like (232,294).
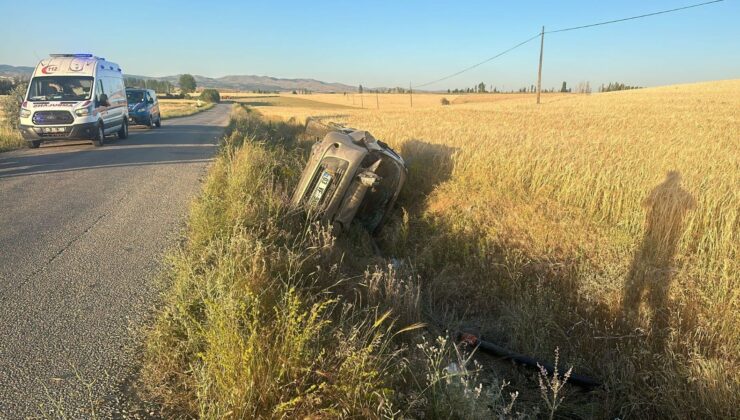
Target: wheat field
(171,108)
(605,225)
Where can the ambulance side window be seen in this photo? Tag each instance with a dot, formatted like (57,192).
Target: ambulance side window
(99,91)
(114,89)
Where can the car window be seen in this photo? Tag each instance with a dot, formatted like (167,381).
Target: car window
(134,96)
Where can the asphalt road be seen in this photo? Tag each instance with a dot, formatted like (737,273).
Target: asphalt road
(82,234)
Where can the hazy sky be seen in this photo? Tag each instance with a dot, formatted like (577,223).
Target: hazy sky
(385,43)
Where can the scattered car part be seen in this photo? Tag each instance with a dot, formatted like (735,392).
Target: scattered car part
(349,176)
(496,350)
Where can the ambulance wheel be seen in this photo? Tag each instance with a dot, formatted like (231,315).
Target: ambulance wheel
(123,132)
(99,139)
(34,144)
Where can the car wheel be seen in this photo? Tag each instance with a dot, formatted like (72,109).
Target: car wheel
(99,139)
(123,132)
(159,121)
(34,144)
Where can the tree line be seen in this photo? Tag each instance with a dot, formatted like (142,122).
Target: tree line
(159,86)
(581,87)
(614,86)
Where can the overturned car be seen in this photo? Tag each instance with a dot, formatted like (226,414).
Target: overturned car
(351,176)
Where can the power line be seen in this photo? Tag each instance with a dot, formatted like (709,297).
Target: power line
(633,17)
(479,64)
(563,30)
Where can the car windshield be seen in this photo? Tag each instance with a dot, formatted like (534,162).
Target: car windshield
(135,96)
(60,88)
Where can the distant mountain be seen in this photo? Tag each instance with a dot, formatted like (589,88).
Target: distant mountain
(248,83)
(15,71)
(244,82)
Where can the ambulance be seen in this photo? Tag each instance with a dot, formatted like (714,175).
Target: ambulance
(74,97)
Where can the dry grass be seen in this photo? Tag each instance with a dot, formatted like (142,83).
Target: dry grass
(9,138)
(606,225)
(270,316)
(172,108)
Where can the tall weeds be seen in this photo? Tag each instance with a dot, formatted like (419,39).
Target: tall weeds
(265,318)
(250,327)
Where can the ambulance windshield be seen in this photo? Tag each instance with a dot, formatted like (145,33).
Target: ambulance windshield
(60,88)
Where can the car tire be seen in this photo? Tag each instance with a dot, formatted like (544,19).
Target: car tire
(123,132)
(34,144)
(159,121)
(99,139)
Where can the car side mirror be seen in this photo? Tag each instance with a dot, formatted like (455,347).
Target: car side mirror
(103,100)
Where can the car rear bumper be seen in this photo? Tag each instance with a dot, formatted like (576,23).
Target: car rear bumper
(84,131)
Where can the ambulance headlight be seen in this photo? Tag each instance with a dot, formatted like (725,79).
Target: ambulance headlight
(25,113)
(83,112)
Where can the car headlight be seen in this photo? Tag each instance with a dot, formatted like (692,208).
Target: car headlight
(25,113)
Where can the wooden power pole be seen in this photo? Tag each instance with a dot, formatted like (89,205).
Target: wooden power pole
(539,72)
(411,95)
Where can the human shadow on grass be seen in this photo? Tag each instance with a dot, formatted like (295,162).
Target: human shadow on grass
(652,268)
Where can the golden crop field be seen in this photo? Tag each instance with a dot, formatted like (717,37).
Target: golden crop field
(171,108)
(605,225)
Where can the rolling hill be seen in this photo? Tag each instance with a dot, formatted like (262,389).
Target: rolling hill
(233,82)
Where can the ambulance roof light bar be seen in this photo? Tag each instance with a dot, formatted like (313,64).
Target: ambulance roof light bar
(72,55)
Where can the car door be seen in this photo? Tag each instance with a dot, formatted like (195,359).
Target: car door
(154,104)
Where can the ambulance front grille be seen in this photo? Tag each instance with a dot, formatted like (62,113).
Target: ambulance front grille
(52,118)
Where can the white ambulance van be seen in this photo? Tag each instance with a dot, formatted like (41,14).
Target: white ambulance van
(74,96)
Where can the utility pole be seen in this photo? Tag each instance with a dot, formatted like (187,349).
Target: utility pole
(377,101)
(362,101)
(539,72)
(411,95)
